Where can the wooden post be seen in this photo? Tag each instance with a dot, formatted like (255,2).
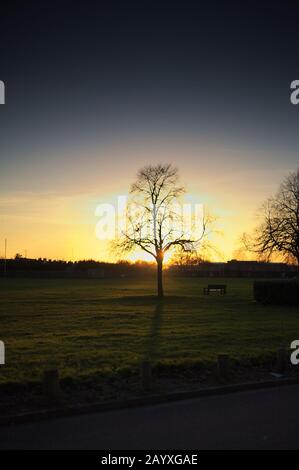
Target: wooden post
(51,384)
(146,375)
(223,366)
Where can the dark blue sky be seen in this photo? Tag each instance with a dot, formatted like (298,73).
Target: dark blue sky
(79,73)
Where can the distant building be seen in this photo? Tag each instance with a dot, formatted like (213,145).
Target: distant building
(235,268)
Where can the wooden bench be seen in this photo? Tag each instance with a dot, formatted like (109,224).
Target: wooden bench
(215,288)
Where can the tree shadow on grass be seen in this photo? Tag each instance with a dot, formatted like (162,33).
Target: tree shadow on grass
(152,344)
(149,300)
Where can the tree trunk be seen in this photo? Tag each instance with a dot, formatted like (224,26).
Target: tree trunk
(160,278)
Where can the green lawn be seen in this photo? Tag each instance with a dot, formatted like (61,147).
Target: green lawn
(108,326)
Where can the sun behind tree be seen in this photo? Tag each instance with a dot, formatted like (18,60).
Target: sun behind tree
(153,222)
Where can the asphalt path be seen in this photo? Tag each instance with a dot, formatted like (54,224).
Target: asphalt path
(260,419)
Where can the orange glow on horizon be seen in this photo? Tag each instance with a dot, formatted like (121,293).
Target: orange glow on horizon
(60,224)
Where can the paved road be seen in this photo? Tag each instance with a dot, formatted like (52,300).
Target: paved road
(263,419)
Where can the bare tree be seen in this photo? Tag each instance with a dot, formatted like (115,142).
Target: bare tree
(154,223)
(278,233)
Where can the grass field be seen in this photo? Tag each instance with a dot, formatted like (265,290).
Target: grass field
(87,327)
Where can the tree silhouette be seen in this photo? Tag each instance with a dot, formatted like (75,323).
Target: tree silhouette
(153,222)
(279,230)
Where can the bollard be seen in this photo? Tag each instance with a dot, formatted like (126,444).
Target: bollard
(51,386)
(281,357)
(223,366)
(146,375)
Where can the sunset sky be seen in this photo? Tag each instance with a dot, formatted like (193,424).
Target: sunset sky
(94,93)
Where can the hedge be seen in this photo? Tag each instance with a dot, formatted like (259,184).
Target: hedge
(277,292)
